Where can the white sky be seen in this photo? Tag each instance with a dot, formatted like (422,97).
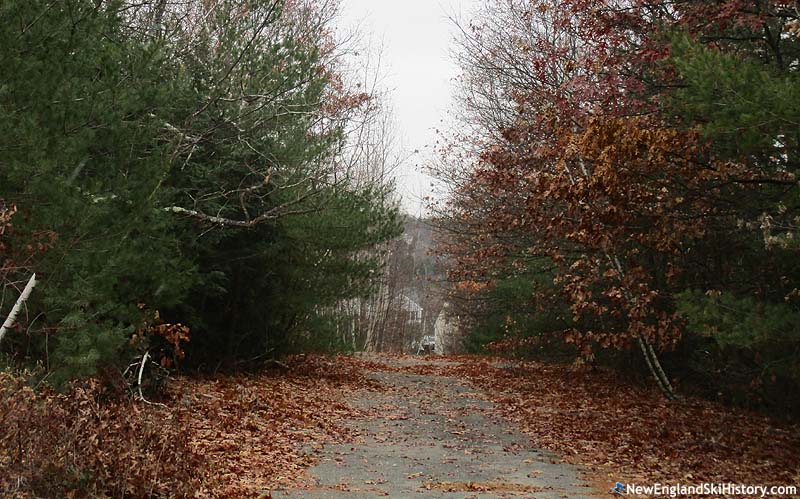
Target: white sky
(416,38)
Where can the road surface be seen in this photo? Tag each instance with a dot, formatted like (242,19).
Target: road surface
(432,437)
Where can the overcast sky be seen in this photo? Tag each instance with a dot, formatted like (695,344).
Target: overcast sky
(416,37)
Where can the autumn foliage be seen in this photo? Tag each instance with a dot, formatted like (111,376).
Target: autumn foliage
(79,444)
(228,437)
(621,432)
(603,168)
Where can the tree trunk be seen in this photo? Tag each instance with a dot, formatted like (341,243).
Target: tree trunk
(12,317)
(656,371)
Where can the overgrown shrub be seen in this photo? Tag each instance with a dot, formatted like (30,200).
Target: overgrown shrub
(85,443)
(741,350)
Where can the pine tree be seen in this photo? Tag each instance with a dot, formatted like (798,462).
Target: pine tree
(186,169)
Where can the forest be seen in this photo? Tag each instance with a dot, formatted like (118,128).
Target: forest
(210,289)
(625,190)
(184,181)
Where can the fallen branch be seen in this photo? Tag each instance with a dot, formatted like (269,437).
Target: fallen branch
(139,381)
(141,370)
(12,317)
(277,363)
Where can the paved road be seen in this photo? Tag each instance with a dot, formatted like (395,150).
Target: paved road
(435,437)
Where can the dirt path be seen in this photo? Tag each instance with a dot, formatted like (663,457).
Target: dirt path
(435,437)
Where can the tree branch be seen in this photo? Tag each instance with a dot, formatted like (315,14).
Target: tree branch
(12,317)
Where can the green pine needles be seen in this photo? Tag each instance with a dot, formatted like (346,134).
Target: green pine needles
(181,166)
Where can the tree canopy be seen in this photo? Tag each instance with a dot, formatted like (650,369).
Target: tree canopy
(180,164)
(641,159)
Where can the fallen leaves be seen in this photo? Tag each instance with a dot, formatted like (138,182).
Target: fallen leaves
(504,487)
(258,430)
(245,435)
(608,424)
(81,444)
(235,436)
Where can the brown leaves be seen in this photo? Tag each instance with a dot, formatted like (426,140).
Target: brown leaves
(227,437)
(607,206)
(602,421)
(497,487)
(588,168)
(167,339)
(80,445)
(6,213)
(253,428)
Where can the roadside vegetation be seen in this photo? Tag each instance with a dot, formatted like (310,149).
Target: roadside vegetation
(625,192)
(203,190)
(187,163)
(196,186)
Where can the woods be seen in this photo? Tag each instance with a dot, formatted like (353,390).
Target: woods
(632,166)
(181,163)
(212,286)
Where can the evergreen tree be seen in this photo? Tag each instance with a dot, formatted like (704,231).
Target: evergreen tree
(81,156)
(184,168)
(744,97)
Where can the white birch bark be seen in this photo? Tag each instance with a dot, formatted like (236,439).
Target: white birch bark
(12,317)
